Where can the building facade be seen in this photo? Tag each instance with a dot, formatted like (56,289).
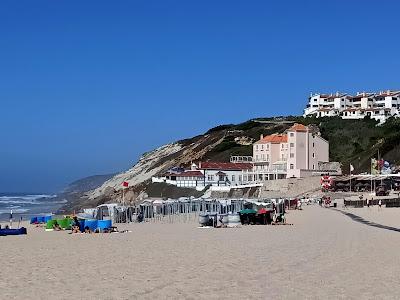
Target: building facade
(299,152)
(208,173)
(379,106)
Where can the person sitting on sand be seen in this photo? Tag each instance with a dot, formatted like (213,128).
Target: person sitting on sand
(140,217)
(76,222)
(88,230)
(57,226)
(75,229)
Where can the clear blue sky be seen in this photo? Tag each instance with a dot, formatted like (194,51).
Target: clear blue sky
(87,86)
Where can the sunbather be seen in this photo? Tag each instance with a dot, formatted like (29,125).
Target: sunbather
(56,226)
(88,230)
(75,229)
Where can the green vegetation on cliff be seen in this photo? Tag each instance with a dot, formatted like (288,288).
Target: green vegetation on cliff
(351,141)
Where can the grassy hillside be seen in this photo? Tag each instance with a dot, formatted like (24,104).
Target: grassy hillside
(351,141)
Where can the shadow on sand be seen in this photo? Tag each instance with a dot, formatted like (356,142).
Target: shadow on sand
(363,221)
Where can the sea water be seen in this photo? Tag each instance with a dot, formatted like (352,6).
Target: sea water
(27,205)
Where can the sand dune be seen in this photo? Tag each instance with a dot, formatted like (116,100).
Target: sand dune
(325,255)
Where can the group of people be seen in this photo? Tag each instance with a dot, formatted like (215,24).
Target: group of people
(370,201)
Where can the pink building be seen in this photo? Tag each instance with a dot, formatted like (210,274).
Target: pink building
(307,150)
(299,152)
(270,151)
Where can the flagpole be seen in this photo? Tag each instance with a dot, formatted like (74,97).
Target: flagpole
(350,178)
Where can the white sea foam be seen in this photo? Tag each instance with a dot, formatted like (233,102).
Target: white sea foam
(15,211)
(26,199)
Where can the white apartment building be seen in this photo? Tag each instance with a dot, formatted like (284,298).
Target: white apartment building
(379,106)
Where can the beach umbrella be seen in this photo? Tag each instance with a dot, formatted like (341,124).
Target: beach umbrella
(247,211)
(263,211)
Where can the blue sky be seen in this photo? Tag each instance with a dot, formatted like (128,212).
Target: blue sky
(87,86)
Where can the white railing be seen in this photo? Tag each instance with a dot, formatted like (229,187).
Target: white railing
(241,159)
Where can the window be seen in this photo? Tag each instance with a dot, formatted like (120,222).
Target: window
(313,155)
(313,144)
(263,157)
(267,156)
(256,157)
(291,155)
(313,167)
(210,177)
(291,144)
(262,147)
(292,134)
(256,147)
(233,177)
(240,178)
(291,166)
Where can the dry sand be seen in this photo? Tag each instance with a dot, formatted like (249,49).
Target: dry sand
(325,255)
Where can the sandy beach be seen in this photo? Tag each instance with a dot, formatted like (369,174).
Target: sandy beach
(325,255)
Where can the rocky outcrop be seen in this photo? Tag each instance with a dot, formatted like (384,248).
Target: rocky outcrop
(156,162)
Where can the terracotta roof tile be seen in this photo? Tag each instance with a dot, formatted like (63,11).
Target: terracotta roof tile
(298,127)
(186,174)
(274,139)
(208,165)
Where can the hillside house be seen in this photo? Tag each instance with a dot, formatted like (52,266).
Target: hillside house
(379,106)
(207,173)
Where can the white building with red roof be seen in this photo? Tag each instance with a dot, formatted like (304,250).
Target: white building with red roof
(379,106)
(208,173)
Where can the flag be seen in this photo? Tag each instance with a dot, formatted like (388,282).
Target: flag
(351,168)
(374,167)
(125,184)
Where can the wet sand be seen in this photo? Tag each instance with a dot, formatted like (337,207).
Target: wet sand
(325,255)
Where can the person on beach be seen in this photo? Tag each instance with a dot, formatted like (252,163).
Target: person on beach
(76,226)
(380,204)
(88,230)
(11,218)
(56,226)
(367,202)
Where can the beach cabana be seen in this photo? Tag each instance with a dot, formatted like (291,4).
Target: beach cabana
(247,216)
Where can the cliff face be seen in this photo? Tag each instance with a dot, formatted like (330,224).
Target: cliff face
(181,153)
(351,141)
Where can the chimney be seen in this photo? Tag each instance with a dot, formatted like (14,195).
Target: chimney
(261,136)
(199,164)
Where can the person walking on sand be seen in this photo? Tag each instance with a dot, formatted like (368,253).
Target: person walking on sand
(11,218)
(368,203)
(380,204)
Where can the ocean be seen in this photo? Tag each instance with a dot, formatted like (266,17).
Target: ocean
(27,205)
